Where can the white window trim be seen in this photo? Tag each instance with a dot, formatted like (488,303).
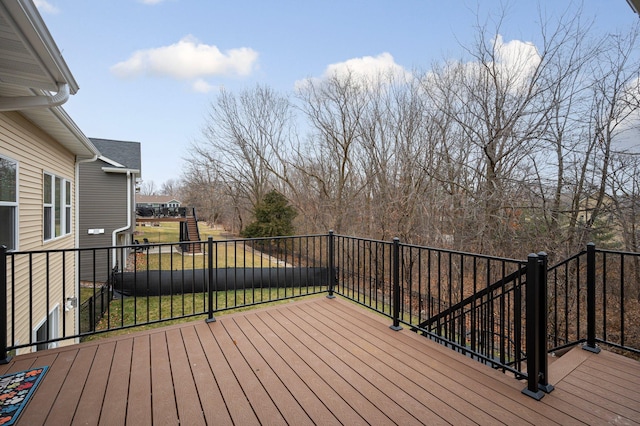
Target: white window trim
(16,204)
(63,206)
(53,320)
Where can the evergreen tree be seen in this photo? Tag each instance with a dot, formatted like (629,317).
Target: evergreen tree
(274,217)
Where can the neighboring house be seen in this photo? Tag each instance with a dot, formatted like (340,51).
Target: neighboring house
(157,201)
(157,205)
(107,213)
(41,150)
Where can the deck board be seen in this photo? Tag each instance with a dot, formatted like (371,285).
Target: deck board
(499,390)
(236,403)
(435,382)
(308,369)
(186,395)
(342,379)
(163,400)
(263,406)
(314,409)
(114,407)
(277,392)
(384,375)
(209,394)
(90,403)
(139,399)
(317,361)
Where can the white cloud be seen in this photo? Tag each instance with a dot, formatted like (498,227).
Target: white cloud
(515,63)
(45,6)
(370,68)
(202,86)
(367,66)
(187,59)
(151,1)
(516,60)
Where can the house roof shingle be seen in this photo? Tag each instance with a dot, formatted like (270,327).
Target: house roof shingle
(123,152)
(155,199)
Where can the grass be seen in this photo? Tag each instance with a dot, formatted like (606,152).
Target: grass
(228,254)
(142,310)
(86,293)
(130,311)
(169,232)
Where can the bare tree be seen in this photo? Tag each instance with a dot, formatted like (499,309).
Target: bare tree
(171,187)
(243,139)
(334,109)
(148,188)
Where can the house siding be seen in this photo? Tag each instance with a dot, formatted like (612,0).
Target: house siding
(104,206)
(37,153)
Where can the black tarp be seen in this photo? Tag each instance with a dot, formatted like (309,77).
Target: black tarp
(153,283)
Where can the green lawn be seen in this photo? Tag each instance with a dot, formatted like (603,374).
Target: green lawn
(130,311)
(169,232)
(227,254)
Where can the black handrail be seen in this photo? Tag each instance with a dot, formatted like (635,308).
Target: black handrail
(475,296)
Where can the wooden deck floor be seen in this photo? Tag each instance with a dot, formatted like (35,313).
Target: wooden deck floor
(318,361)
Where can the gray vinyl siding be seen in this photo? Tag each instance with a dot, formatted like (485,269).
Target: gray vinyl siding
(103,205)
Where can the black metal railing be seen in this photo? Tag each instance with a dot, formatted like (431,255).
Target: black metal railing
(507,313)
(93,307)
(161,212)
(150,286)
(472,303)
(594,298)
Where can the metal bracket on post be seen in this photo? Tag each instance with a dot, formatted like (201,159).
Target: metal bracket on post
(332,275)
(210,318)
(590,345)
(532,332)
(396,285)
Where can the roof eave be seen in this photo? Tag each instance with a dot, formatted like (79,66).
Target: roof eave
(28,21)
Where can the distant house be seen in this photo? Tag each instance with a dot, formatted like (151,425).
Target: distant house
(41,149)
(157,205)
(107,213)
(157,201)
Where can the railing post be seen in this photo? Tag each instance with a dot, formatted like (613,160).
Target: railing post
(332,276)
(4,357)
(591,300)
(210,267)
(396,284)
(532,332)
(543,381)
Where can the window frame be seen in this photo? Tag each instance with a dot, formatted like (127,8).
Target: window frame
(57,197)
(14,204)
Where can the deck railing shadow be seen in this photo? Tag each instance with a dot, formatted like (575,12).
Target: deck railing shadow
(506,313)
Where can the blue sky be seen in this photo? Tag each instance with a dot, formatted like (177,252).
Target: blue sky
(148,69)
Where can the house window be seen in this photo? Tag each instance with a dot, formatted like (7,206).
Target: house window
(57,206)
(8,202)
(48,330)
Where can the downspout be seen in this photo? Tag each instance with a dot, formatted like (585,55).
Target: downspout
(18,103)
(115,232)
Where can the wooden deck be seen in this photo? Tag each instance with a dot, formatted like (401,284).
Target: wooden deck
(318,361)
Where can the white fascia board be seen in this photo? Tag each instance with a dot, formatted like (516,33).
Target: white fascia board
(120,170)
(74,130)
(110,161)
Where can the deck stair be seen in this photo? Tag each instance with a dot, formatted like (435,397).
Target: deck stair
(192,234)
